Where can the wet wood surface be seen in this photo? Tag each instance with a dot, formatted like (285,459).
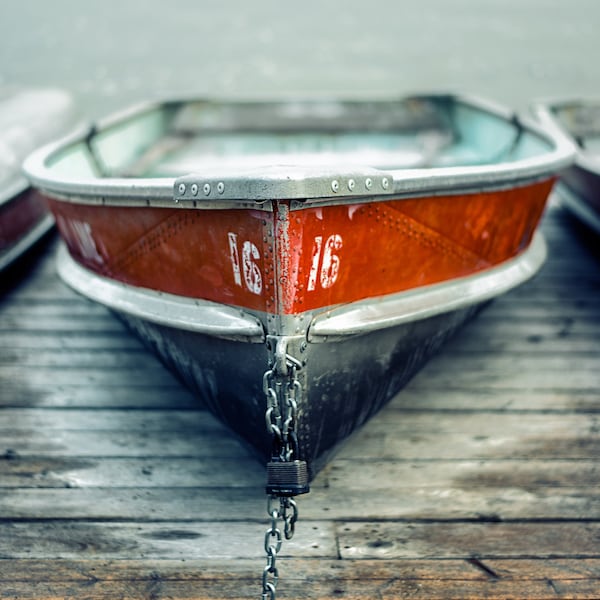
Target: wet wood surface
(480,480)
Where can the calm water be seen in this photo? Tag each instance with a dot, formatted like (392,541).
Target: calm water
(112,53)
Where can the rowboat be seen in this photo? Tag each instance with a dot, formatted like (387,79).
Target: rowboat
(28,118)
(297,262)
(579,185)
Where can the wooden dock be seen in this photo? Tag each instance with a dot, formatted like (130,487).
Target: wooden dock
(480,480)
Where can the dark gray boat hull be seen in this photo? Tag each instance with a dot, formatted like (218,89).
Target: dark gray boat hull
(344,382)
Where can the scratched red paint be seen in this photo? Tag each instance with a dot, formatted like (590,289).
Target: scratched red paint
(288,262)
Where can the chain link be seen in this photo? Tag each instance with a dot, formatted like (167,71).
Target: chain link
(288,512)
(289,519)
(282,394)
(282,391)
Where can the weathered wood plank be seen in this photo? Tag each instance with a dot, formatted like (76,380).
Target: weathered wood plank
(146,374)
(300,569)
(113,359)
(508,423)
(342,475)
(461,446)
(170,394)
(392,503)
(516,474)
(206,504)
(453,503)
(552,589)
(77,307)
(68,419)
(42,287)
(538,305)
(467,399)
(357,540)
(499,333)
(486,540)
(95,324)
(434,578)
(539,340)
(306,578)
(578,263)
(567,324)
(121,443)
(36,342)
(61,472)
(151,541)
(515,372)
(533,293)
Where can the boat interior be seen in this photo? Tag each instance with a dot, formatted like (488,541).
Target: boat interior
(176,138)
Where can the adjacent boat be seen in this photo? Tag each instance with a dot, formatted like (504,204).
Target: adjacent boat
(296,262)
(579,186)
(28,118)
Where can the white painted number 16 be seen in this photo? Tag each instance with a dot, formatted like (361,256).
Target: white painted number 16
(330,265)
(324,269)
(251,271)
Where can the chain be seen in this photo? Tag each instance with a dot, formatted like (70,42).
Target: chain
(282,391)
(273,543)
(288,512)
(282,426)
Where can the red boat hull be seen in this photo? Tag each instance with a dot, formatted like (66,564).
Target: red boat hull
(290,261)
(23,220)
